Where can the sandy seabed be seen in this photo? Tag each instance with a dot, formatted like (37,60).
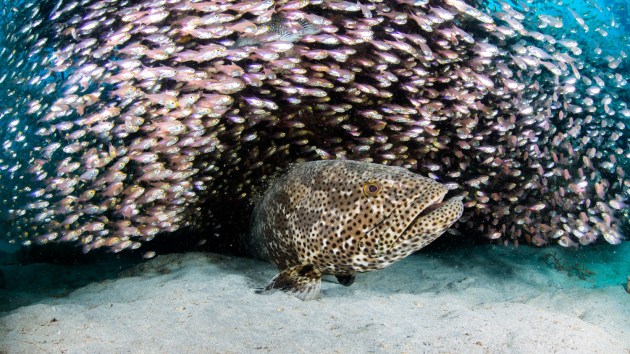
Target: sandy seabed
(205,303)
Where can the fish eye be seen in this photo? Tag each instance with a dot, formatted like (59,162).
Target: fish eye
(372,188)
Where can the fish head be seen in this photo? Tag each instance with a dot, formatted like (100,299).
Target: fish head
(380,211)
(400,211)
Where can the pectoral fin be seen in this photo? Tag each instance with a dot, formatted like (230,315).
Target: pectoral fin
(302,281)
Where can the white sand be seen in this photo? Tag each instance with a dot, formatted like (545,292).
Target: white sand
(205,303)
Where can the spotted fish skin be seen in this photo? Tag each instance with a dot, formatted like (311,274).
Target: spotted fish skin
(344,217)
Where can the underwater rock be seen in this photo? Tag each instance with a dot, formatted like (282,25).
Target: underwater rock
(130,120)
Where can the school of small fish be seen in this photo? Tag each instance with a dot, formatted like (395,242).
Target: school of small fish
(122,120)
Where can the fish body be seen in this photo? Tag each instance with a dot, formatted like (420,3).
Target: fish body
(345,217)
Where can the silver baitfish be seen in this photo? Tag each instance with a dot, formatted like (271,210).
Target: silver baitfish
(345,217)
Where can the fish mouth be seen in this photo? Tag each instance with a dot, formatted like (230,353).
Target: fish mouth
(425,207)
(388,234)
(437,204)
(453,209)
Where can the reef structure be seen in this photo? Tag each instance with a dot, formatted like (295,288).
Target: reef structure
(124,120)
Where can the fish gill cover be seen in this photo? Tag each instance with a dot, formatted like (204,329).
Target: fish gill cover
(122,120)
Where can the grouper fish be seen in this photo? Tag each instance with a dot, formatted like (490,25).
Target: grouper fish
(344,217)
